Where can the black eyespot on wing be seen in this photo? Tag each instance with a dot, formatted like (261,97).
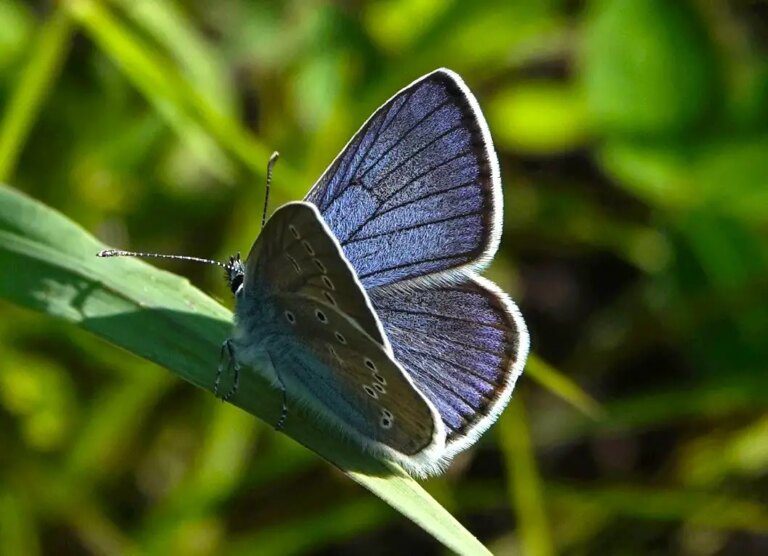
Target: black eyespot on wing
(321,316)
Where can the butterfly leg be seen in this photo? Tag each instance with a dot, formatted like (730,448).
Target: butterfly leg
(284,408)
(227,360)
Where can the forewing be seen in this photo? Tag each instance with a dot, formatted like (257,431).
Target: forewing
(416,191)
(296,253)
(464,345)
(353,376)
(325,334)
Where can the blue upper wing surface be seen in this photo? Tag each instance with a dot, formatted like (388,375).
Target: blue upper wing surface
(464,345)
(415,193)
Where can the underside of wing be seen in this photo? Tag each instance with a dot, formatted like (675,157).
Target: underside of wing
(355,380)
(416,192)
(326,343)
(297,254)
(464,345)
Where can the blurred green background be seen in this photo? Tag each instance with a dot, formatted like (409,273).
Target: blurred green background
(633,140)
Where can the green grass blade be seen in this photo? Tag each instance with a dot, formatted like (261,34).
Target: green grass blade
(318,530)
(706,401)
(562,386)
(524,481)
(575,502)
(161,317)
(51,47)
(163,84)
(704,509)
(171,27)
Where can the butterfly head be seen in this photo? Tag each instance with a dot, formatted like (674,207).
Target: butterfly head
(235,273)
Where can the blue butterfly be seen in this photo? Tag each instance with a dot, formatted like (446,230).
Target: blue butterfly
(363,302)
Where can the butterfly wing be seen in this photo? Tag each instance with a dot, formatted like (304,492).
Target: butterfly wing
(330,351)
(416,191)
(464,344)
(299,256)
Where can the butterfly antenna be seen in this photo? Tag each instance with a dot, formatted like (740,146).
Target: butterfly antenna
(119,253)
(270,165)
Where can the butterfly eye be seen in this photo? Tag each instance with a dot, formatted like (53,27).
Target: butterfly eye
(294,231)
(340,338)
(290,317)
(321,316)
(237,281)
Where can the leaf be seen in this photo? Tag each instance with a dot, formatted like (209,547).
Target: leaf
(707,401)
(563,387)
(710,510)
(45,60)
(648,67)
(524,481)
(725,176)
(183,105)
(705,509)
(161,317)
(173,29)
(319,529)
(539,117)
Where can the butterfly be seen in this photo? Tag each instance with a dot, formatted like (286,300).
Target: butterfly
(363,302)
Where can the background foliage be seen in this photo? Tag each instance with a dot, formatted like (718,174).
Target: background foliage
(633,137)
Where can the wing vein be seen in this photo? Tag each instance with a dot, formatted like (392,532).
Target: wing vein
(414,263)
(413,155)
(414,227)
(403,136)
(450,317)
(378,212)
